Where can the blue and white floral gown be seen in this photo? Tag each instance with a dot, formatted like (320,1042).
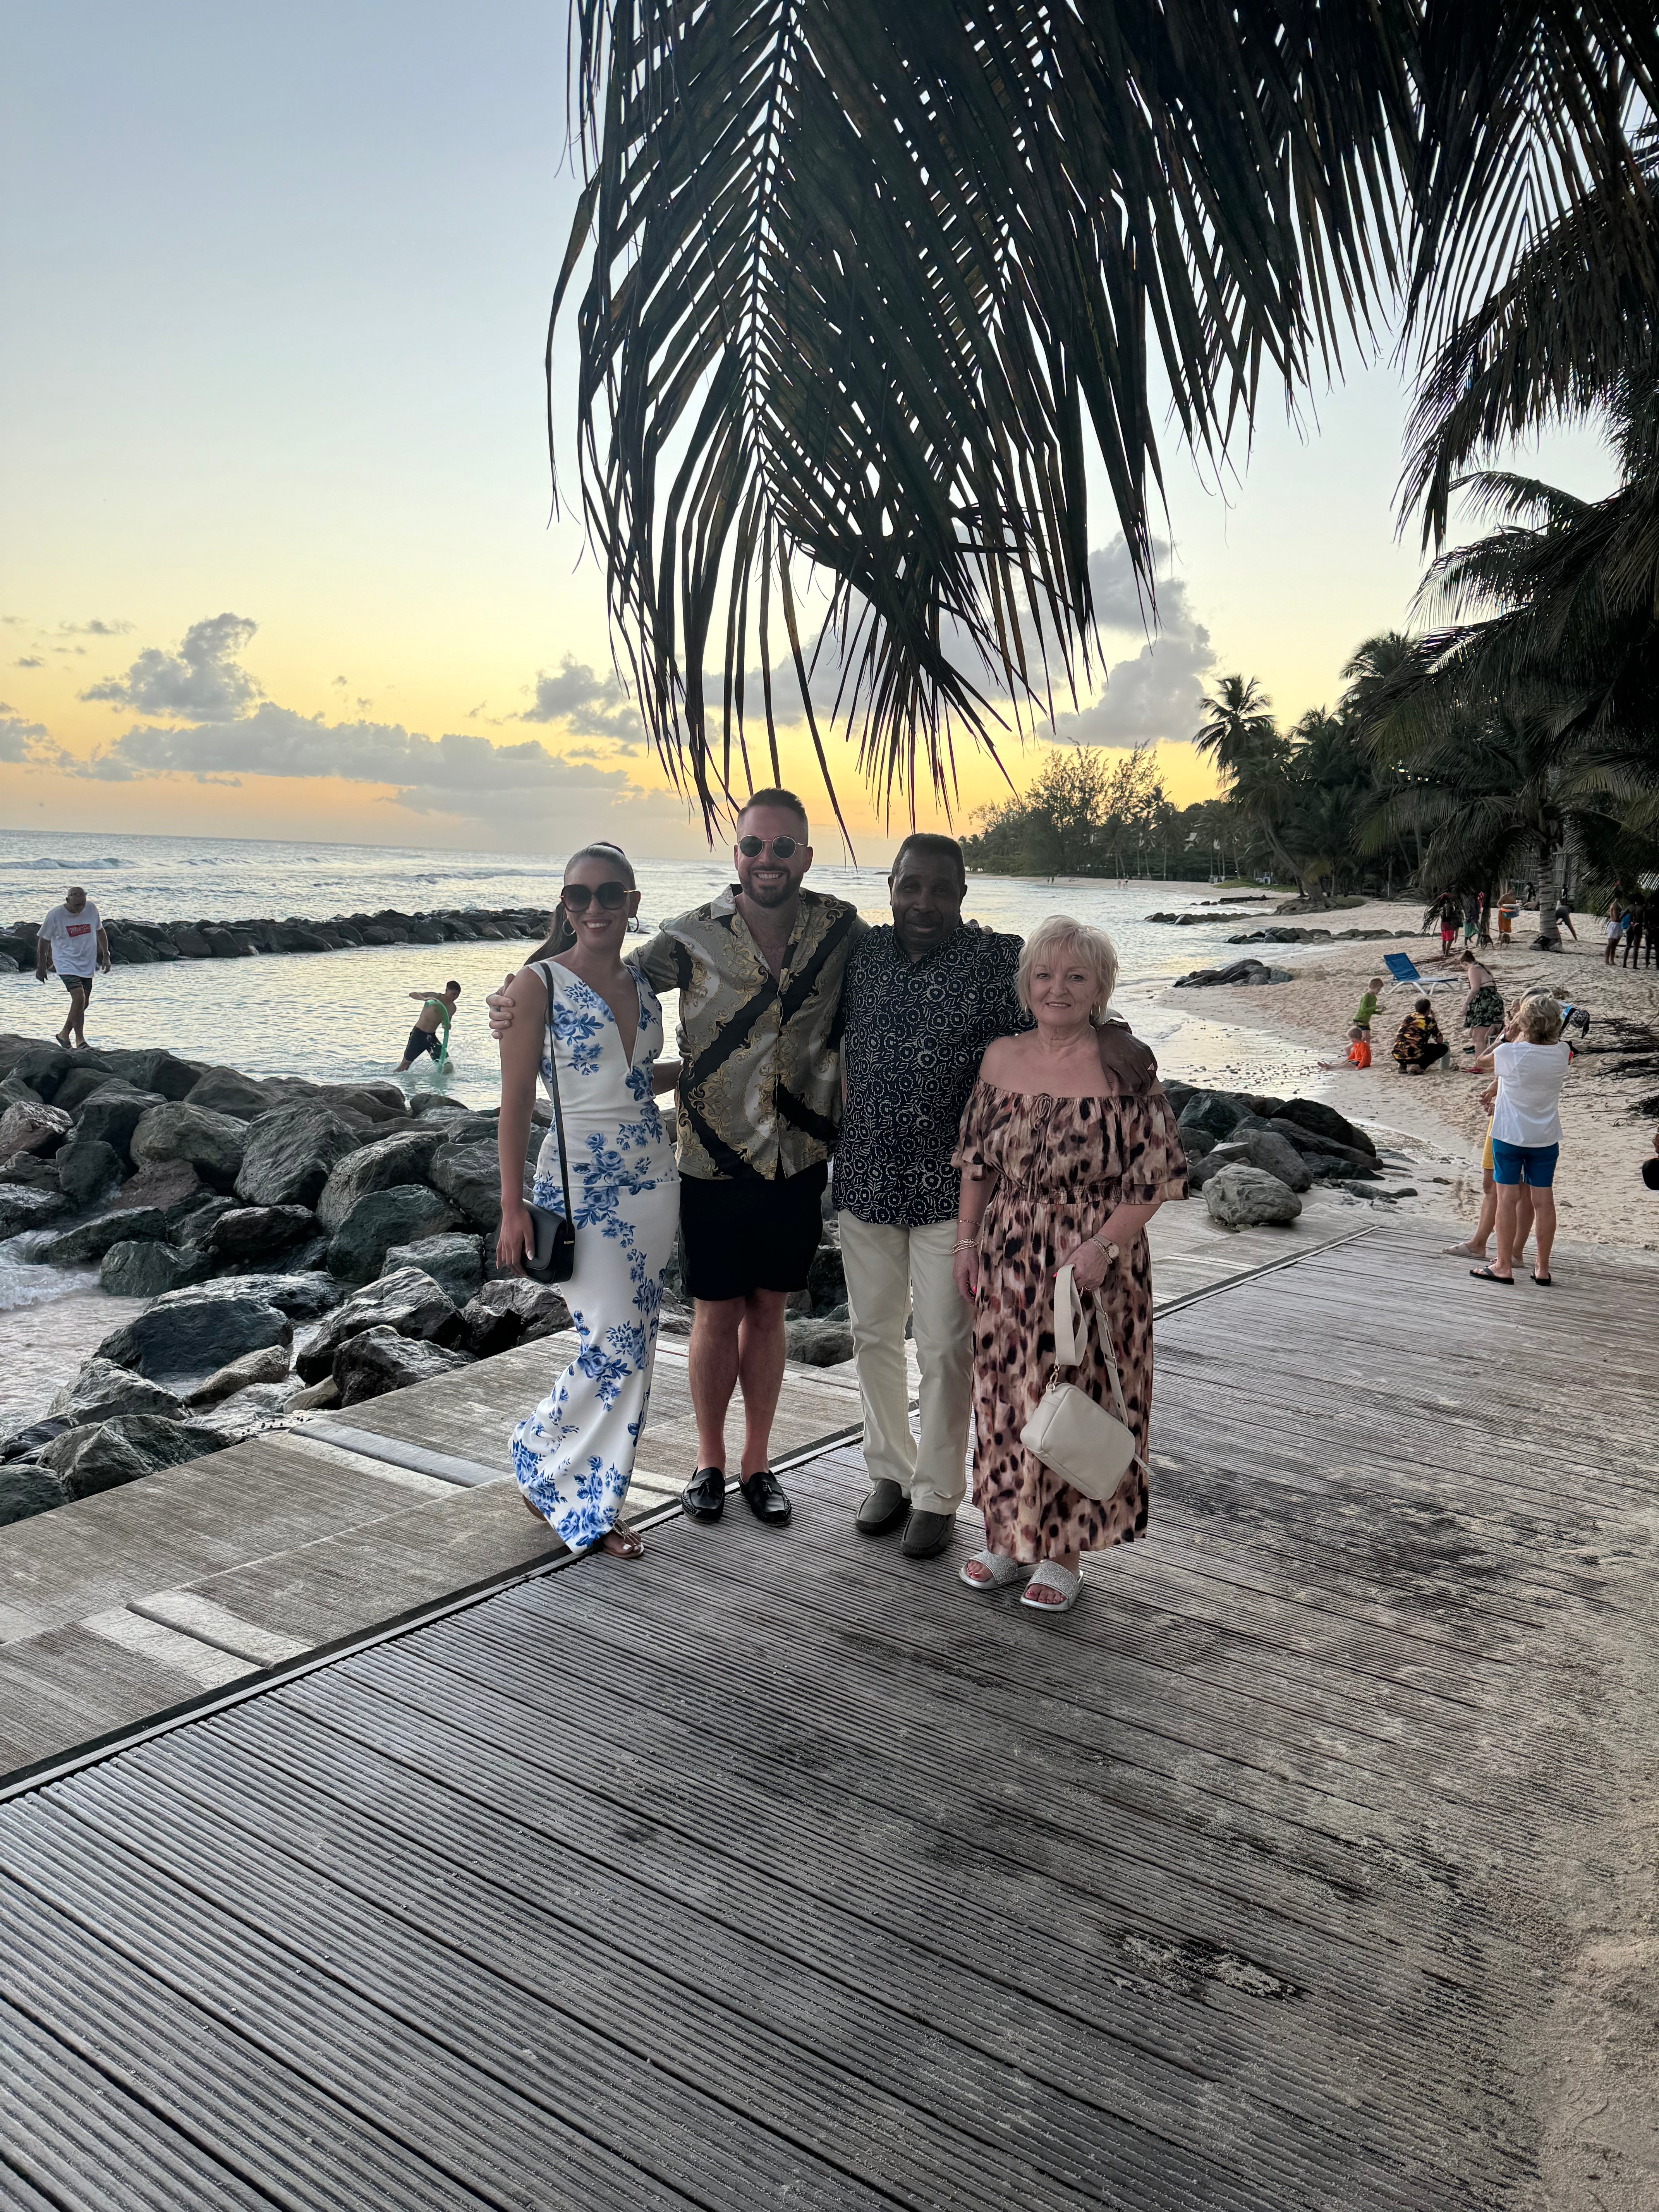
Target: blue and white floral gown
(573,1456)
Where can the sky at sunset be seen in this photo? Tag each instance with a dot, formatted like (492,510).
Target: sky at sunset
(276,555)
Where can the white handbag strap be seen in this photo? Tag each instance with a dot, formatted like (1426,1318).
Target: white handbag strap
(1071,1335)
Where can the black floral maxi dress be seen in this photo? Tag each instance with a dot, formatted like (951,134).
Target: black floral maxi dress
(1062,1165)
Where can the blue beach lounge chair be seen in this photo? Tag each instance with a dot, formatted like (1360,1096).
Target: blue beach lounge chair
(1405,970)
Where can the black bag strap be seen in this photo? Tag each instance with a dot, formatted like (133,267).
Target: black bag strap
(545,969)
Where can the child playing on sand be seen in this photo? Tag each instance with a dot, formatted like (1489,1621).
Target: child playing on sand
(1359,1049)
(1367,1006)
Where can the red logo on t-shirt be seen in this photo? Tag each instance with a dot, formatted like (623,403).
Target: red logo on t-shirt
(77,929)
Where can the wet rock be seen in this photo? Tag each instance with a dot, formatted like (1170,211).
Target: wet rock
(149,1270)
(1245,1197)
(255,1232)
(87,1171)
(386,1165)
(78,1085)
(111,1113)
(29,1172)
(213,1144)
(1229,1155)
(409,1303)
(21,1208)
(42,1067)
(29,1125)
(316,1397)
(1270,1152)
(88,1461)
(271,1365)
(471,1175)
(190,1334)
(454,1262)
(24,1443)
(403,1215)
(157,1070)
(436,1102)
(511,1310)
(224,1091)
(101,1390)
(83,1247)
(27,1487)
(826,1279)
(302,1296)
(291,1152)
(193,1226)
(379,1360)
(174,1188)
(1213,1111)
(1195,1143)
(1325,1121)
(1307,1143)
(817,1343)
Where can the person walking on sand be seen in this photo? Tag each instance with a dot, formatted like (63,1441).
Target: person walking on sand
(1483,1009)
(925,994)
(437,1009)
(759,971)
(1612,928)
(1635,926)
(1525,1098)
(1564,916)
(593,1018)
(73,942)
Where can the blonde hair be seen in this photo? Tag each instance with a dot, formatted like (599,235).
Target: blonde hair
(1060,936)
(1538,1017)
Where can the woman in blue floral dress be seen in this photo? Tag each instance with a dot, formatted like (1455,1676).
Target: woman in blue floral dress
(573,1456)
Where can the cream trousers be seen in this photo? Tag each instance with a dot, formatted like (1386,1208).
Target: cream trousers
(890,1271)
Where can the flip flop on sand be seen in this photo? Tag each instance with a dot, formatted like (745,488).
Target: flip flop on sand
(1485,1275)
(1543,1281)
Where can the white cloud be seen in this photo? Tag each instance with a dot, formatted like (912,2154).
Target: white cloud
(32,661)
(95,628)
(1157,693)
(21,740)
(204,678)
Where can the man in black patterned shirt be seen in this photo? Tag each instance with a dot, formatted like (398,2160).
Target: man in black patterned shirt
(923,997)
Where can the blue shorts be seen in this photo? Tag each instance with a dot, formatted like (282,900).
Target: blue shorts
(1532,1164)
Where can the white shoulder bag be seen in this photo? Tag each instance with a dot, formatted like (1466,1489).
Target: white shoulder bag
(1090,1448)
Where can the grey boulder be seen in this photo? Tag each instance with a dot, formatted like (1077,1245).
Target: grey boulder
(224,1091)
(213,1144)
(115,1111)
(89,1459)
(511,1310)
(174,1187)
(817,1343)
(189,1333)
(22,1207)
(1323,1121)
(27,1126)
(271,1365)
(156,1069)
(471,1175)
(87,1171)
(78,1085)
(1245,1197)
(291,1152)
(1213,1111)
(455,1263)
(409,1303)
(383,1165)
(255,1232)
(1265,1149)
(149,1270)
(403,1215)
(101,1390)
(379,1360)
(301,1296)
(27,1488)
(82,1247)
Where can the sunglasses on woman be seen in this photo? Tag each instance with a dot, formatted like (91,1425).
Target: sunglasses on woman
(783,848)
(576,898)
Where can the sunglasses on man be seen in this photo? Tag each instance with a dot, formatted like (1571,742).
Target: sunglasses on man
(576,898)
(781,848)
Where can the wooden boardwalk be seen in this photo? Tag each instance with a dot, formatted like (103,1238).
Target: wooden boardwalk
(778,1871)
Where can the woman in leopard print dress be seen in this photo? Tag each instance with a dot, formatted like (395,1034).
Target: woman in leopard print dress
(1068,1147)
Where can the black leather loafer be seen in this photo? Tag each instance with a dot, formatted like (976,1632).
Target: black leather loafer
(764,1496)
(883,1510)
(703,1498)
(927,1535)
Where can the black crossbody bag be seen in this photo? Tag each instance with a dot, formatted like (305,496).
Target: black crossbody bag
(553,1258)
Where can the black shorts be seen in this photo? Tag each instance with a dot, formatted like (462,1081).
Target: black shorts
(76,983)
(421,1041)
(751,1235)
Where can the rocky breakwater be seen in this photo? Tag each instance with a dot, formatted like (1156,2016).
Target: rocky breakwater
(1251,1157)
(300,1244)
(138,944)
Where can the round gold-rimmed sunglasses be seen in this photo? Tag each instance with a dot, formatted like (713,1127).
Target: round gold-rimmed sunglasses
(782,849)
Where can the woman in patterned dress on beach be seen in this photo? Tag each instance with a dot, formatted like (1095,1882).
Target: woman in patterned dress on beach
(573,1456)
(1068,1148)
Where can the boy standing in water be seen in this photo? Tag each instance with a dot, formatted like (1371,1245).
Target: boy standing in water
(436,1008)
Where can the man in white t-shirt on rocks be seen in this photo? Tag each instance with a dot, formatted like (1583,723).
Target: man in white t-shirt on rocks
(72,941)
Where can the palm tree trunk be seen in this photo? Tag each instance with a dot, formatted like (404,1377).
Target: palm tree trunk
(1554,856)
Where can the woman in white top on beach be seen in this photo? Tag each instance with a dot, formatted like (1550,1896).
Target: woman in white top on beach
(1526,1132)
(573,1456)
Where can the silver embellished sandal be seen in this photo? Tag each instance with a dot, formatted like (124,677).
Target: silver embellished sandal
(997,1572)
(1051,1575)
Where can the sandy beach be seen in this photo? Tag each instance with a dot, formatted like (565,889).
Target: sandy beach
(1601,1197)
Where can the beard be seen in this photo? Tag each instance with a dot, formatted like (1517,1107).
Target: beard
(771,894)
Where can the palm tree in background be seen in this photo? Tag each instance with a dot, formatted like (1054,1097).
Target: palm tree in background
(864,287)
(1240,739)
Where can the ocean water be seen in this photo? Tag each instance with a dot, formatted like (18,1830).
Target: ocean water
(343,1016)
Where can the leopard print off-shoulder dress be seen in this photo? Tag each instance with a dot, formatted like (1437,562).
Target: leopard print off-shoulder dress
(1061,1164)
